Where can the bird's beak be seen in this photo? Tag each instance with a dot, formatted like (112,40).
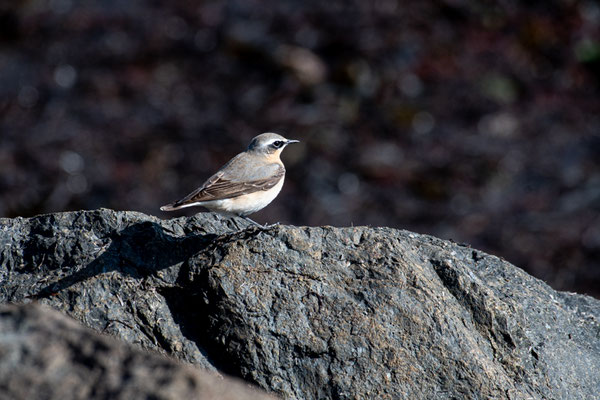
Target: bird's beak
(292,141)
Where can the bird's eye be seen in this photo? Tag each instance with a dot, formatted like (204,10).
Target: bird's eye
(277,144)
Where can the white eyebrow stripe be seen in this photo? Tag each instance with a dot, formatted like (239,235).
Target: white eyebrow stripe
(270,142)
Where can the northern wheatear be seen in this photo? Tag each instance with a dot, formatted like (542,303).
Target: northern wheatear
(246,184)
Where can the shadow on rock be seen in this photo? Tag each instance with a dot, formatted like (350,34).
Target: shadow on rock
(149,254)
(195,319)
(140,250)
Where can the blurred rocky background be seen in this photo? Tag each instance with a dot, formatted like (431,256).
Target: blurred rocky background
(477,122)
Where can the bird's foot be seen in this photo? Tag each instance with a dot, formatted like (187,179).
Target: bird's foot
(269,226)
(265,226)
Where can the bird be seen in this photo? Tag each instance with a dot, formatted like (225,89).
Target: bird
(245,184)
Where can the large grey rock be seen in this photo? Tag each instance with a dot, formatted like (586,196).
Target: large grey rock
(45,355)
(311,313)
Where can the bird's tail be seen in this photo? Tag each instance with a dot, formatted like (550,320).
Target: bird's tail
(170,207)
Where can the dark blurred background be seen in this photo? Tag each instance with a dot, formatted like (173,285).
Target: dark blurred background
(468,120)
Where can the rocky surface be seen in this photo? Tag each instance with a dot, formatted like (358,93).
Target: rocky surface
(303,312)
(45,355)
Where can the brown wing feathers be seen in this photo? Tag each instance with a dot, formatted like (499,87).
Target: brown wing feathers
(218,188)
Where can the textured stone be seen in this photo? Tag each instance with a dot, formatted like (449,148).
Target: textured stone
(45,355)
(348,313)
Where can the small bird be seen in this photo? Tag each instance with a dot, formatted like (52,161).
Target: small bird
(247,183)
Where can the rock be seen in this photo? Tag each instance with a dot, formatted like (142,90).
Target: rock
(348,313)
(45,355)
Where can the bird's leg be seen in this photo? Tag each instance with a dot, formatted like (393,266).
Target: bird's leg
(252,221)
(265,226)
(234,221)
(219,218)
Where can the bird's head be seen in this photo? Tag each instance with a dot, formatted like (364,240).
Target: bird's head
(269,144)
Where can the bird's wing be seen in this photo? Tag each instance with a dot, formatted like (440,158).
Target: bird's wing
(221,186)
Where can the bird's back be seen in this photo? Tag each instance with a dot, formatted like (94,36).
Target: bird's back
(247,166)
